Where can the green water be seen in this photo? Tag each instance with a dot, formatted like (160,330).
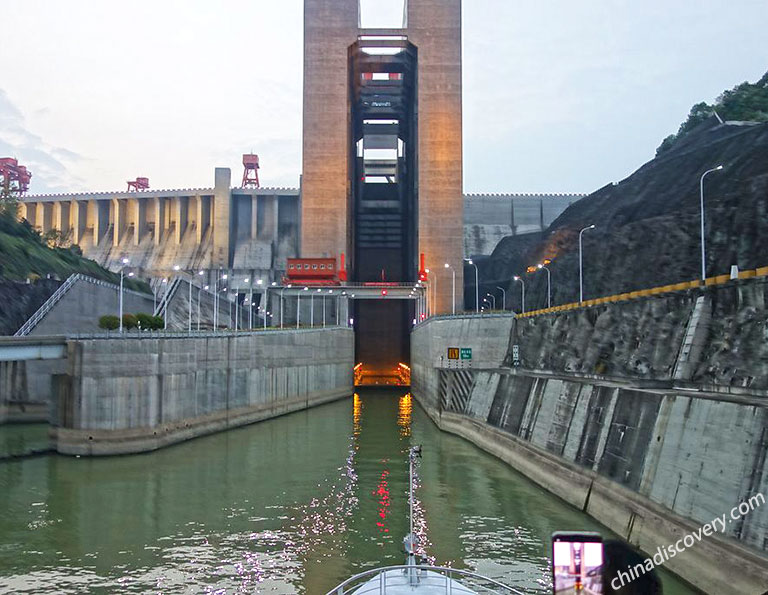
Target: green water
(292,505)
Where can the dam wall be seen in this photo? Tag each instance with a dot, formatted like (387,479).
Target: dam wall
(132,395)
(648,425)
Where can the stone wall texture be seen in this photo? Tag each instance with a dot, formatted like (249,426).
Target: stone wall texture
(132,395)
(650,456)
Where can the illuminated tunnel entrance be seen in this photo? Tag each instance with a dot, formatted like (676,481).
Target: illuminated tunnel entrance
(383,228)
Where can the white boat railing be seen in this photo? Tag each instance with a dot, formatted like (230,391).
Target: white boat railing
(469,580)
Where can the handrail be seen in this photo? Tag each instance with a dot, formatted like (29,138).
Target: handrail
(652,291)
(448,573)
(46,306)
(185,334)
(62,290)
(162,307)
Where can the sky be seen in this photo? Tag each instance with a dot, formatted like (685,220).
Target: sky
(559,96)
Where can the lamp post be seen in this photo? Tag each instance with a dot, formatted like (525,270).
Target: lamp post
(282,289)
(581,267)
(549,283)
(703,250)
(164,304)
(266,295)
(199,292)
(453,291)
(216,299)
(522,289)
(298,309)
(329,291)
(493,297)
(429,295)
(125,261)
(503,298)
(477,285)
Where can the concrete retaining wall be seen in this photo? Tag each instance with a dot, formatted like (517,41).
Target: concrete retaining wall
(25,386)
(651,463)
(80,308)
(132,395)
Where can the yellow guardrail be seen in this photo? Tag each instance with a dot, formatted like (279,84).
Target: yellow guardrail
(708,282)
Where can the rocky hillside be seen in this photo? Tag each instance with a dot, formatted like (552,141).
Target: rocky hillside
(31,270)
(648,224)
(642,338)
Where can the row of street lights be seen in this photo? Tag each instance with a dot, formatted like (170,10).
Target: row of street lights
(581,266)
(516,278)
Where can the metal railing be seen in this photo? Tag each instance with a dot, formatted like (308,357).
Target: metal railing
(185,334)
(162,307)
(435,577)
(55,298)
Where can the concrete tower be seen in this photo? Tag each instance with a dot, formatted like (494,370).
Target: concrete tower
(434,27)
(433,192)
(330,27)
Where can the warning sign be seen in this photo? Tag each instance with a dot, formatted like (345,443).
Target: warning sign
(453,353)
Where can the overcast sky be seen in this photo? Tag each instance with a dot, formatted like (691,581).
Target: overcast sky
(559,96)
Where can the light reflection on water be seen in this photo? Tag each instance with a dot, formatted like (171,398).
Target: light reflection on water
(292,505)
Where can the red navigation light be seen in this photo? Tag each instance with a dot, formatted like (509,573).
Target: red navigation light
(384,292)
(422,268)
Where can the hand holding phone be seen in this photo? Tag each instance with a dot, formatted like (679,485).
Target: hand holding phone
(577,563)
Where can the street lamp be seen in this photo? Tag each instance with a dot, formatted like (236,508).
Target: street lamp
(282,289)
(453,298)
(164,303)
(124,261)
(216,299)
(298,308)
(703,253)
(581,268)
(549,283)
(430,294)
(522,289)
(199,292)
(503,298)
(477,284)
(493,297)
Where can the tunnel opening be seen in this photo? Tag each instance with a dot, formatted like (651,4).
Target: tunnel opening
(383,183)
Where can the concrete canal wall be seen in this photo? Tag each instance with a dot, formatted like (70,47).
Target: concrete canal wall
(138,394)
(651,456)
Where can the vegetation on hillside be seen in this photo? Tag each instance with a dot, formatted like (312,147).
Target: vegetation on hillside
(25,253)
(746,102)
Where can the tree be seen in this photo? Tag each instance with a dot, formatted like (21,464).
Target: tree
(130,321)
(109,322)
(747,101)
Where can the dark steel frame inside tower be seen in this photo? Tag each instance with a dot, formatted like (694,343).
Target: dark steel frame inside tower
(384,193)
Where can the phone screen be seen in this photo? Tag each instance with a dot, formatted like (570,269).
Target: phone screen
(577,563)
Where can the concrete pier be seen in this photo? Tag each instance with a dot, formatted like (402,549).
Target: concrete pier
(131,395)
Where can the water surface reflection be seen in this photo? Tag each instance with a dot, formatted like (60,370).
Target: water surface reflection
(292,505)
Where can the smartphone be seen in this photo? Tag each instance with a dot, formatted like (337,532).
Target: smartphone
(577,563)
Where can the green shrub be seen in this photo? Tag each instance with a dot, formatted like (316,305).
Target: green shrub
(145,321)
(109,322)
(158,323)
(130,321)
